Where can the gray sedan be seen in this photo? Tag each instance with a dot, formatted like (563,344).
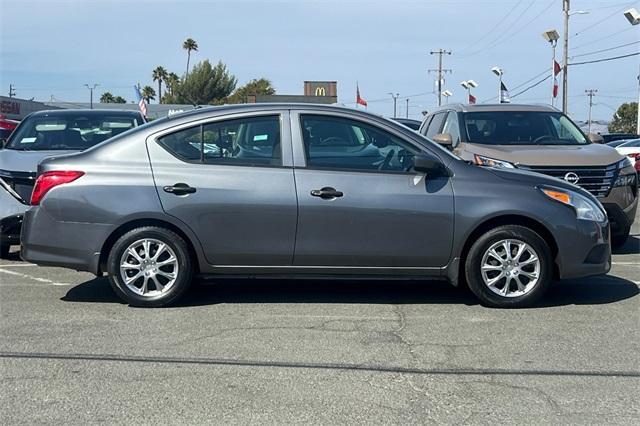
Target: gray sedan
(295,190)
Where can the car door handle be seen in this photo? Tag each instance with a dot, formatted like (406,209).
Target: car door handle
(326,193)
(179,189)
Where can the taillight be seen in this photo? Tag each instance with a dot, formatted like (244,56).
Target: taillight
(48,180)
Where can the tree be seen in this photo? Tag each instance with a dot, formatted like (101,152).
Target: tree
(159,74)
(171,81)
(148,94)
(205,85)
(119,100)
(107,98)
(625,119)
(189,45)
(255,87)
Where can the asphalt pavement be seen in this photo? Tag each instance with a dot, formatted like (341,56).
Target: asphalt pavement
(318,352)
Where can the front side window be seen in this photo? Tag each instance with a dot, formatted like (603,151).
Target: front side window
(69,131)
(522,128)
(452,127)
(435,125)
(245,141)
(340,143)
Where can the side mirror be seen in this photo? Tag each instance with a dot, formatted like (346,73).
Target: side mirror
(443,139)
(3,142)
(595,138)
(429,164)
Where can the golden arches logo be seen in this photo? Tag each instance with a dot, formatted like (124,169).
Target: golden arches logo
(320,91)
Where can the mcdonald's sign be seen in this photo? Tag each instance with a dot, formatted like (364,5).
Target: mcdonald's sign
(320,91)
(320,88)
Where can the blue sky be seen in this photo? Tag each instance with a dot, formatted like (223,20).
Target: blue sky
(52,48)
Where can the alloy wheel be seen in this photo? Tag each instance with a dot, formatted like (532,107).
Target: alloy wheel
(149,267)
(510,268)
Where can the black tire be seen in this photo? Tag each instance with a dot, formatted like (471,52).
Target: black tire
(473,264)
(619,240)
(4,251)
(184,262)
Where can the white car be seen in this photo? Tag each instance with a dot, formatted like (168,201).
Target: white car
(630,149)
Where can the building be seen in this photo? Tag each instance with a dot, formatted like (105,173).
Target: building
(315,92)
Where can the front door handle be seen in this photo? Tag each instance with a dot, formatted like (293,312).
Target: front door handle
(179,189)
(326,193)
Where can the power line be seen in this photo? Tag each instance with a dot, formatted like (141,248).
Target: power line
(605,59)
(532,86)
(495,27)
(582,46)
(605,50)
(606,18)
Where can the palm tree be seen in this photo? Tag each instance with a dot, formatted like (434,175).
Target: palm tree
(159,75)
(189,45)
(148,94)
(107,98)
(171,81)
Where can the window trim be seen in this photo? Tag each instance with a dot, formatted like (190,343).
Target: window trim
(279,114)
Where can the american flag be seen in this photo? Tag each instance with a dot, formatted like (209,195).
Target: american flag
(141,103)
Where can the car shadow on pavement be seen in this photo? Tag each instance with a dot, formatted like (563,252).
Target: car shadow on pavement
(631,246)
(587,291)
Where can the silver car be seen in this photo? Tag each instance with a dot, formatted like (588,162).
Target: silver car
(45,134)
(292,190)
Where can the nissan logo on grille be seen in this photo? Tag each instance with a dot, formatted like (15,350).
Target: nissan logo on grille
(571,177)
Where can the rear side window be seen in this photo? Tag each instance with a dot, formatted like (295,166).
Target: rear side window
(246,141)
(436,124)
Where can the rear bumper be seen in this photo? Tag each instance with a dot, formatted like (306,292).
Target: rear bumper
(73,245)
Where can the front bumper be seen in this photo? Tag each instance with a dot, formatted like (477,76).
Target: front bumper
(621,205)
(11,216)
(585,252)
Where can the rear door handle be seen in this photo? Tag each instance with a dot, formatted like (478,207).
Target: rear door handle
(179,189)
(326,193)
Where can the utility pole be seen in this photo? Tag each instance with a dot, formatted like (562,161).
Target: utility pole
(440,71)
(591,93)
(12,91)
(91,88)
(565,66)
(407,114)
(395,100)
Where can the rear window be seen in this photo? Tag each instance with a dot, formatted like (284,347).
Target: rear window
(69,132)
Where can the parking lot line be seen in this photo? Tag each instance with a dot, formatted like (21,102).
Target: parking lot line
(31,277)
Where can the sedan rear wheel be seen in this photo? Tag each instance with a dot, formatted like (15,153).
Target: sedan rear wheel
(509,266)
(150,267)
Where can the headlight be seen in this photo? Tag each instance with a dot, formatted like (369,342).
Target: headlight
(491,162)
(625,162)
(585,208)
(626,179)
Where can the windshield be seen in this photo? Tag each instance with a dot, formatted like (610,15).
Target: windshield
(522,128)
(69,132)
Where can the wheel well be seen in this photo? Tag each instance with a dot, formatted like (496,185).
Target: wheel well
(123,229)
(495,222)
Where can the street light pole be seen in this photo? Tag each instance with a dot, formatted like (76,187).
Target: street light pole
(633,16)
(590,93)
(565,57)
(395,99)
(407,114)
(91,93)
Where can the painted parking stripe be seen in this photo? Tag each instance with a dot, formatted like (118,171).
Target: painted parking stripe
(31,277)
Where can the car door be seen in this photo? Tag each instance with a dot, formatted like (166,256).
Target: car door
(230,179)
(359,206)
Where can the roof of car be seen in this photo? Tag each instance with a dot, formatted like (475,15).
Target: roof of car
(68,112)
(495,108)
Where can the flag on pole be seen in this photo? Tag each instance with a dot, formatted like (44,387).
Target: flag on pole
(141,103)
(472,99)
(556,71)
(504,94)
(359,100)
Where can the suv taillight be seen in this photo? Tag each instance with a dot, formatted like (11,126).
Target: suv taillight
(49,180)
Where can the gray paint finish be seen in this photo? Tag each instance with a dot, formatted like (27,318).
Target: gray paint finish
(261,220)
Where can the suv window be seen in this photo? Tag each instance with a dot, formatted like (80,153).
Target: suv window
(246,141)
(344,144)
(436,124)
(452,127)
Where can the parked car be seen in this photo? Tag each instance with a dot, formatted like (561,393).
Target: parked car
(617,142)
(412,124)
(44,134)
(612,137)
(631,149)
(299,190)
(540,139)
(6,127)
